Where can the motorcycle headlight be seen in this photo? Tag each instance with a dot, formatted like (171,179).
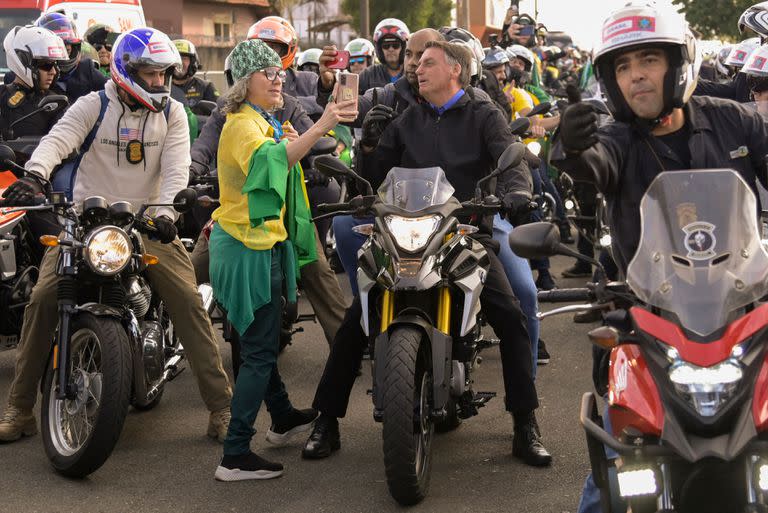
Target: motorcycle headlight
(412,233)
(107,250)
(706,388)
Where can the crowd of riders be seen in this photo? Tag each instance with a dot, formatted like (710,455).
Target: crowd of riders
(131,114)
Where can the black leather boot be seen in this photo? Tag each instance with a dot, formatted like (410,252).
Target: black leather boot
(526,444)
(323,440)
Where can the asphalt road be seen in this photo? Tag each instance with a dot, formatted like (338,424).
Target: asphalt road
(164,462)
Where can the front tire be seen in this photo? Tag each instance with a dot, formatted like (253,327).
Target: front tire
(80,434)
(408,427)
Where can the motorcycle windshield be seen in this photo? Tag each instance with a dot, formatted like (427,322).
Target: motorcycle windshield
(415,189)
(700,255)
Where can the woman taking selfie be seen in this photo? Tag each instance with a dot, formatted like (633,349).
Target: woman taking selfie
(263,235)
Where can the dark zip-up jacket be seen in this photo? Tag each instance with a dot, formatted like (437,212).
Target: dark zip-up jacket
(465,141)
(302,85)
(374,76)
(736,89)
(622,165)
(205,148)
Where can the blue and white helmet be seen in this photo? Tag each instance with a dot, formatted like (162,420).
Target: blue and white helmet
(139,48)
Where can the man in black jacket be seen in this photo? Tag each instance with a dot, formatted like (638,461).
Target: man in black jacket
(389,38)
(471,137)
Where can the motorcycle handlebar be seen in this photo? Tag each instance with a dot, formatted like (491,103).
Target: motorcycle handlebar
(327,208)
(36,201)
(565,295)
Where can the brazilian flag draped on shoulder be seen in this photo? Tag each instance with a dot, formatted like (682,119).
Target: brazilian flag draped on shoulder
(268,192)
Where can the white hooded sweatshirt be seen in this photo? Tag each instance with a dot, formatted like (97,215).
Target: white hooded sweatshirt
(105,170)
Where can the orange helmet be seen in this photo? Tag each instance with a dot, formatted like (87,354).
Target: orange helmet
(277,29)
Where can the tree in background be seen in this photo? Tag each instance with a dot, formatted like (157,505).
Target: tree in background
(715,19)
(417,14)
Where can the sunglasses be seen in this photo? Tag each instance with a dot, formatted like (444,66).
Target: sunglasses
(395,45)
(46,66)
(98,47)
(273,73)
(357,60)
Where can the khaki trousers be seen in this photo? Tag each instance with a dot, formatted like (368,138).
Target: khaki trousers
(173,279)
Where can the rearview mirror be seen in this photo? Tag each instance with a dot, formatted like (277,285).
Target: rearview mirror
(7,156)
(542,108)
(185,200)
(520,126)
(511,157)
(56,102)
(332,167)
(535,240)
(323,146)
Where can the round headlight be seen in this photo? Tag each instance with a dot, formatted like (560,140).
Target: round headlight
(107,250)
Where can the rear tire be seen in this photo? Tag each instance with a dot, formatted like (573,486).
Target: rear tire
(80,434)
(408,426)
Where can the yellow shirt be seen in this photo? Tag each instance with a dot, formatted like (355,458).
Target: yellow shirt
(243,133)
(521,100)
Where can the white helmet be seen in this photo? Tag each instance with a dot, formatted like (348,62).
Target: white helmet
(361,47)
(388,28)
(465,37)
(523,53)
(640,25)
(26,46)
(144,47)
(741,51)
(309,56)
(755,18)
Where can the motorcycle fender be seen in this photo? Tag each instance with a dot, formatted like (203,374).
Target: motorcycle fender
(100,310)
(440,349)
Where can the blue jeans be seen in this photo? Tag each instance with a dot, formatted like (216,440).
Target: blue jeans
(347,244)
(590,493)
(521,279)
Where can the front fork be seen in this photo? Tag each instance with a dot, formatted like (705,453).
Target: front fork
(67,300)
(443,310)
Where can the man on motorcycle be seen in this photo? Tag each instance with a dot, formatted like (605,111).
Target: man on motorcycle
(34,56)
(472,136)
(318,279)
(389,37)
(648,80)
(195,88)
(139,154)
(281,37)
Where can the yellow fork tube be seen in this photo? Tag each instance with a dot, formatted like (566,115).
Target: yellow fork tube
(444,310)
(387,309)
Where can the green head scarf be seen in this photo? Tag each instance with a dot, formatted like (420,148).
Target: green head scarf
(252,55)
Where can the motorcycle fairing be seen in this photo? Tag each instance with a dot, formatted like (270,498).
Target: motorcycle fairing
(632,393)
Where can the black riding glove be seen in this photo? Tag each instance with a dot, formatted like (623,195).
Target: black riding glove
(315,178)
(165,230)
(196,170)
(22,191)
(578,128)
(518,205)
(376,121)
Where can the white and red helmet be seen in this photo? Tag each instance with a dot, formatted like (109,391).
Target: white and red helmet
(389,28)
(741,51)
(641,25)
(144,47)
(25,47)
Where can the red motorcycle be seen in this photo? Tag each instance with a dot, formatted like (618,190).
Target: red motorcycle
(688,376)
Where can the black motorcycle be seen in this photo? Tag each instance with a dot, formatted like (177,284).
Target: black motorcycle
(111,348)
(420,278)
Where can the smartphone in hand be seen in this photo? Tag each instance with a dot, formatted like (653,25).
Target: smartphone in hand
(348,84)
(341,61)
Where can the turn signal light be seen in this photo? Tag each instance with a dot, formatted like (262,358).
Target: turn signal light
(49,240)
(606,337)
(363,229)
(148,259)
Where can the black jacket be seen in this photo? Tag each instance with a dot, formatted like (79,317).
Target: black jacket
(196,89)
(206,146)
(465,141)
(490,84)
(624,162)
(16,101)
(736,89)
(374,76)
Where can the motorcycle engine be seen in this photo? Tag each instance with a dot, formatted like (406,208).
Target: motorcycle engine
(139,296)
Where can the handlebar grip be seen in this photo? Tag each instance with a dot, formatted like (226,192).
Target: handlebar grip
(565,295)
(327,208)
(39,199)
